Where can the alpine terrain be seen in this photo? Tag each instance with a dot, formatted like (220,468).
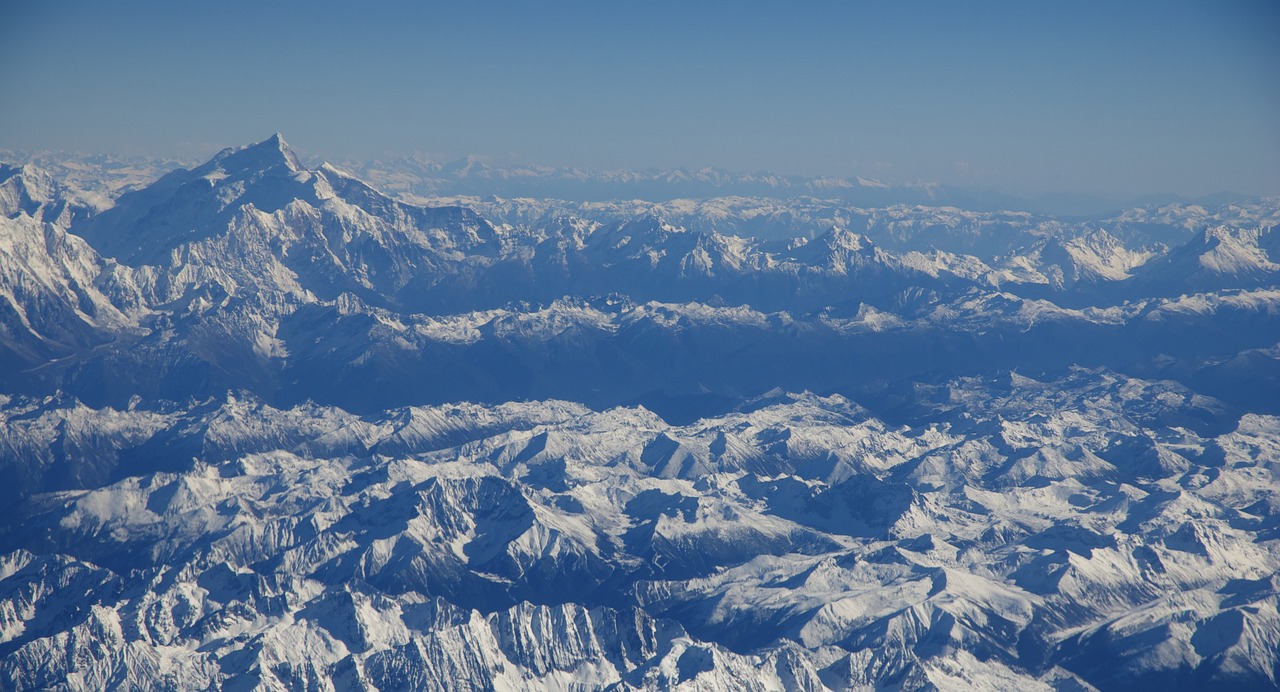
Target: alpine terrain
(267,426)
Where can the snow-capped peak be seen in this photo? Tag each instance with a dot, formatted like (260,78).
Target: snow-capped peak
(265,155)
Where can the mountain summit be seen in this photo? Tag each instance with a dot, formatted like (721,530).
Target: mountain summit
(186,205)
(255,158)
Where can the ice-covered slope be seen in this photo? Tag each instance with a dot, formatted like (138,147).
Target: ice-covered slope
(235,448)
(1214,259)
(1018,533)
(253,272)
(58,297)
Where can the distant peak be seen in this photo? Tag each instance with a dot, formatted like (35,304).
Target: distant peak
(269,153)
(276,144)
(330,168)
(1216,234)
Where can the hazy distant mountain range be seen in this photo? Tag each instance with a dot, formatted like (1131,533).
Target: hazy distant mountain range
(102,177)
(417,175)
(406,425)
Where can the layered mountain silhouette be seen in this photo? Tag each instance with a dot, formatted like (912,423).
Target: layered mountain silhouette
(268,427)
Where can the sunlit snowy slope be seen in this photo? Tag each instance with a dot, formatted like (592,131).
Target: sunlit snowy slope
(267,427)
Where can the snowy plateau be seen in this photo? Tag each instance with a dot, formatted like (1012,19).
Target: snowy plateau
(268,427)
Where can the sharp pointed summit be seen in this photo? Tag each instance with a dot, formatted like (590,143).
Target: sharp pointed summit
(267,154)
(189,204)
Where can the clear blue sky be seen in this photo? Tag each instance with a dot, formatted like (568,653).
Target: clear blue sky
(1117,98)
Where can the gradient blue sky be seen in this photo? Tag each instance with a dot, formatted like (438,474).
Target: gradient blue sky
(1111,98)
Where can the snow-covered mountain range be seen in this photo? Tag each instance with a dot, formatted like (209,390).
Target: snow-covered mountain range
(417,174)
(267,426)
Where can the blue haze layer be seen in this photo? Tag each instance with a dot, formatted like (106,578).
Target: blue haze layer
(1117,99)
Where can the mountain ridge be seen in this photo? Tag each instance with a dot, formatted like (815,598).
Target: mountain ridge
(263,426)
